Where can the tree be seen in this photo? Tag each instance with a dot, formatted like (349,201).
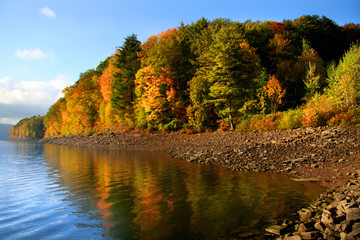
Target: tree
(324,35)
(273,93)
(127,63)
(156,96)
(53,120)
(344,79)
(286,68)
(229,69)
(311,81)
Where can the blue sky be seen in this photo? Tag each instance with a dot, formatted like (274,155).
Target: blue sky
(46,44)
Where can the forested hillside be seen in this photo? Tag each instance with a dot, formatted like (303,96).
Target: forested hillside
(28,128)
(219,74)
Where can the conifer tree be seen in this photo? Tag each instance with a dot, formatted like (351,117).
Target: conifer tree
(127,64)
(229,67)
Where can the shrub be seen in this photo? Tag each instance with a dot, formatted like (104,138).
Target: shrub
(290,119)
(243,125)
(340,119)
(318,111)
(309,119)
(267,122)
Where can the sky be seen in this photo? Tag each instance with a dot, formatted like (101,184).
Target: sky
(46,44)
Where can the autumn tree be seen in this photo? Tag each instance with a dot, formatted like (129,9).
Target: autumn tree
(166,70)
(344,80)
(273,94)
(106,112)
(82,104)
(156,96)
(53,120)
(285,66)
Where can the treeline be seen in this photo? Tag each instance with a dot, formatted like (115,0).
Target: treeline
(219,74)
(28,128)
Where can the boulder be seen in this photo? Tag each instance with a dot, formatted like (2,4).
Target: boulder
(305,215)
(353,214)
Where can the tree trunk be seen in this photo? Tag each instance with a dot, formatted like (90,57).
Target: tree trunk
(230,120)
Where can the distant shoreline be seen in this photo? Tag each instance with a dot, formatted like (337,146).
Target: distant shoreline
(35,140)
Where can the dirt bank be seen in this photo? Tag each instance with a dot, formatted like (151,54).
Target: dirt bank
(329,156)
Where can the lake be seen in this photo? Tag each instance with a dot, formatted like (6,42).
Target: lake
(62,192)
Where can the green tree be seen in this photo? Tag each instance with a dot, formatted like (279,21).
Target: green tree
(229,69)
(127,64)
(344,79)
(311,81)
(324,35)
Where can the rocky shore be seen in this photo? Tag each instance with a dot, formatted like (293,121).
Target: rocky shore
(326,155)
(335,215)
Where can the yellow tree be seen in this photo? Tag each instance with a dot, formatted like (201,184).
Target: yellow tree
(273,93)
(156,95)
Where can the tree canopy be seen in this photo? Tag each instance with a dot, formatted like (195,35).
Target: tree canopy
(216,74)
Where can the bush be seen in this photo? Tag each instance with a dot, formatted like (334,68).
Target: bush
(267,122)
(243,125)
(318,111)
(291,119)
(174,125)
(309,119)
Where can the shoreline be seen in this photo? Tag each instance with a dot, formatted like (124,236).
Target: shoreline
(329,156)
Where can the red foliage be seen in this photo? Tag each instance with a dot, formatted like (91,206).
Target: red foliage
(277,27)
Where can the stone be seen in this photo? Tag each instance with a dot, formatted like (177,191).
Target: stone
(276,229)
(352,214)
(356,226)
(339,197)
(342,206)
(355,233)
(296,237)
(327,219)
(331,233)
(305,215)
(320,226)
(302,228)
(344,236)
(309,235)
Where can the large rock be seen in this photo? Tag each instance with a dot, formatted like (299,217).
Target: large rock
(305,215)
(353,214)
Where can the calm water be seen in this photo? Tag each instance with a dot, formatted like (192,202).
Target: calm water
(60,192)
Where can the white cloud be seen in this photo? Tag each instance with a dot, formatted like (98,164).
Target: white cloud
(11,121)
(30,54)
(29,98)
(48,12)
(5,80)
(36,93)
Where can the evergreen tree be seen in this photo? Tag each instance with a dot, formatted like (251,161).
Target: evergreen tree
(127,64)
(228,68)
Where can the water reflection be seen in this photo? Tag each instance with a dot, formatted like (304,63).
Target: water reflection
(147,195)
